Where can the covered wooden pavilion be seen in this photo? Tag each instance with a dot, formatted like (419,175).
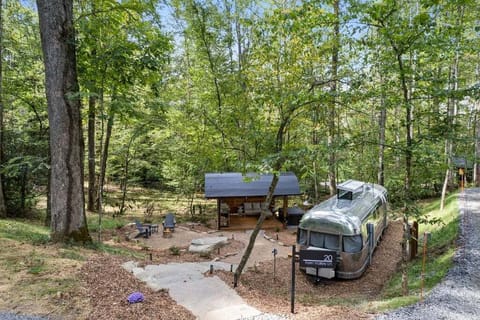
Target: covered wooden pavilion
(241,198)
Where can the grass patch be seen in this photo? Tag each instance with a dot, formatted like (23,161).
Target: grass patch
(35,263)
(438,260)
(175,251)
(391,304)
(312,300)
(97,246)
(58,285)
(71,255)
(108,223)
(24,232)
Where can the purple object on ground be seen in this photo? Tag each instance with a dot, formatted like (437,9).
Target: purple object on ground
(135,297)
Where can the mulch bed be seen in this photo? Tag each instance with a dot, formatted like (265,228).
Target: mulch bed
(108,286)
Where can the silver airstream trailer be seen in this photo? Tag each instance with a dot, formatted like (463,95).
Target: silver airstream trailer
(347,226)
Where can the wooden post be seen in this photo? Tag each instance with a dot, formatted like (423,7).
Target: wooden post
(425,240)
(461,172)
(292,295)
(218,214)
(285,208)
(413,240)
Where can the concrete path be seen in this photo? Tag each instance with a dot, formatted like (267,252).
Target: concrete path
(208,298)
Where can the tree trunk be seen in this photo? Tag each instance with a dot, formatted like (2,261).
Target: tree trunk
(477,147)
(381,149)
(404,263)
(332,114)
(103,165)
(275,168)
(48,214)
(315,182)
(125,175)
(256,230)
(91,152)
(444,189)
(408,164)
(3,209)
(451,114)
(66,139)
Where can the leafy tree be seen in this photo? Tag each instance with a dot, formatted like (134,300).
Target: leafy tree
(25,124)
(123,50)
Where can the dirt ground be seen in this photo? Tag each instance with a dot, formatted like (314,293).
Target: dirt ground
(102,285)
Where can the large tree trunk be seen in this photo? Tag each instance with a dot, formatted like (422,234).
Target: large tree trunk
(3,209)
(91,152)
(66,140)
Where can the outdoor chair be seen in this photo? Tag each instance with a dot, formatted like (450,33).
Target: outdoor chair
(169,222)
(143,230)
(153,227)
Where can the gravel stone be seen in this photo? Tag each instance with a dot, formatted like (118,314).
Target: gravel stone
(13,316)
(458,295)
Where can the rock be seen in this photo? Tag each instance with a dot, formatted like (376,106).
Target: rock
(207,245)
(130,265)
(230,254)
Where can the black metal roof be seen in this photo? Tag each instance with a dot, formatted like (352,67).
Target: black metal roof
(461,162)
(234,184)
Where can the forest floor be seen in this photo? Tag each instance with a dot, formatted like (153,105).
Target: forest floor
(95,286)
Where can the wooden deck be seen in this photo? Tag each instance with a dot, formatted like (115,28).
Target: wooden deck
(238,222)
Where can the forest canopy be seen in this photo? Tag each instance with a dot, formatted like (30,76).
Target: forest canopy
(381,91)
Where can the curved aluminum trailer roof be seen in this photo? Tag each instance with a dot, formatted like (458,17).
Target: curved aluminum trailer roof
(345,212)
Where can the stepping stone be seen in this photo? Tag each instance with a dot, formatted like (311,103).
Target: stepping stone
(207,245)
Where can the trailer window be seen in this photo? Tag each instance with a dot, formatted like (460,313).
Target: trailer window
(317,239)
(331,241)
(352,244)
(302,237)
(323,240)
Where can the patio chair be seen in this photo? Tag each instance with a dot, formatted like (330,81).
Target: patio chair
(142,230)
(169,222)
(153,227)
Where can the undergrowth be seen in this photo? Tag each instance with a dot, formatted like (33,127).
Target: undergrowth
(439,249)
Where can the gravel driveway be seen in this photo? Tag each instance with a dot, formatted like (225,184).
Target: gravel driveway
(458,295)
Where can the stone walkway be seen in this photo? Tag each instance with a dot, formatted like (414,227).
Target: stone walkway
(208,298)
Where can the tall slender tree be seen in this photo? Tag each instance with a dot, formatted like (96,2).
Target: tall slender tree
(332,105)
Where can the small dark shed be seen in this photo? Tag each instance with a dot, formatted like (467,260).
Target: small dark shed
(245,195)
(464,169)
